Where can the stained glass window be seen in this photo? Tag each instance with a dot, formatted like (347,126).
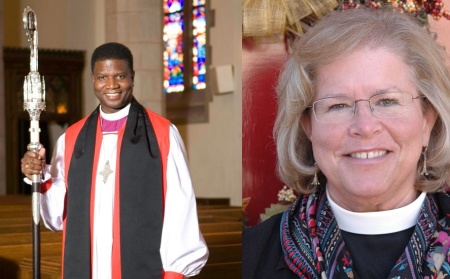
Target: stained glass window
(184,53)
(199,45)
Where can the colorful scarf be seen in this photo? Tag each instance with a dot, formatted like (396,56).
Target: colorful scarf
(314,248)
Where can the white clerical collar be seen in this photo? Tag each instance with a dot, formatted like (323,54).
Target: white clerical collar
(115,115)
(379,222)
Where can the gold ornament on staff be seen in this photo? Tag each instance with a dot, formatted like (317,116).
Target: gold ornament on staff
(34,103)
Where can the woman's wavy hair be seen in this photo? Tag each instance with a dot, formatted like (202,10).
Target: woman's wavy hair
(340,33)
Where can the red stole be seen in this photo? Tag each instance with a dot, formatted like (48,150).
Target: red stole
(161,129)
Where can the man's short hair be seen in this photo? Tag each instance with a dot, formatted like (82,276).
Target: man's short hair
(112,51)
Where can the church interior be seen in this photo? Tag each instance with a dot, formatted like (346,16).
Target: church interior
(210,125)
(227,128)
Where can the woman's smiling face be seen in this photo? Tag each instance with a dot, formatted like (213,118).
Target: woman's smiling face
(370,163)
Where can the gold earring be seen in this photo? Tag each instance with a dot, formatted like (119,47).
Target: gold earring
(424,168)
(315,181)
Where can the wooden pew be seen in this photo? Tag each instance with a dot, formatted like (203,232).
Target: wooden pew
(212,202)
(17,222)
(14,220)
(234,213)
(19,212)
(16,237)
(12,255)
(50,268)
(15,245)
(224,262)
(231,270)
(220,225)
(213,239)
(15,200)
(27,238)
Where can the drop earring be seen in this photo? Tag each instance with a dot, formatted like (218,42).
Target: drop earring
(315,181)
(424,168)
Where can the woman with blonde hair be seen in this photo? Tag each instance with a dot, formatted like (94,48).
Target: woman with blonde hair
(363,133)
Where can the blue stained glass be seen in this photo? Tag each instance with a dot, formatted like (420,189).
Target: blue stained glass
(174,46)
(199,48)
(173,6)
(173,53)
(196,3)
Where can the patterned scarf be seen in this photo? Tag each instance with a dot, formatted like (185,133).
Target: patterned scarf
(314,248)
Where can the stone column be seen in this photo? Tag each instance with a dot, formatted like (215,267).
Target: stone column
(138,25)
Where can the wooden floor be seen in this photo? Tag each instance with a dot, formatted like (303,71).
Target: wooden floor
(220,224)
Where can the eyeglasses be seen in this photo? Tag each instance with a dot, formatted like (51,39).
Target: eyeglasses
(384,105)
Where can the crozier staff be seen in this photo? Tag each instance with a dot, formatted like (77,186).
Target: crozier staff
(363,133)
(119,186)
(34,103)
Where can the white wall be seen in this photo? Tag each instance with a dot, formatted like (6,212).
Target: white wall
(215,148)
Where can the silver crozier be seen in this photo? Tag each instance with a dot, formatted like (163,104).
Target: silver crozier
(34,103)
